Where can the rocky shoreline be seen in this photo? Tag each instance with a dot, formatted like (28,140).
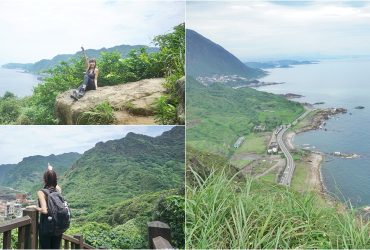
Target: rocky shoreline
(318,120)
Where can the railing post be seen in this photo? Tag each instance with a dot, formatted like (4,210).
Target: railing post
(66,244)
(7,240)
(21,237)
(31,231)
(157,228)
(80,239)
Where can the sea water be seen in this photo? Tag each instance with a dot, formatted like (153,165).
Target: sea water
(16,81)
(338,83)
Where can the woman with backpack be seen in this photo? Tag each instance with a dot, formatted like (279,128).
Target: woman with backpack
(90,79)
(54,212)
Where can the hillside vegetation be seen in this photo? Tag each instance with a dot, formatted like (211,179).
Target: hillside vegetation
(253,214)
(27,175)
(121,169)
(115,188)
(217,115)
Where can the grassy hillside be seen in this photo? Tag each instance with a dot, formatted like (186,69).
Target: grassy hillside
(27,174)
(253,214)
(206,58)
(46,64)
(217,115)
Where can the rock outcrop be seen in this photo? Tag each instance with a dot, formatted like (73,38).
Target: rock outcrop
(180,91)
(133,103)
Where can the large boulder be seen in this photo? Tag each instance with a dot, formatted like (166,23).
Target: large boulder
(133,102)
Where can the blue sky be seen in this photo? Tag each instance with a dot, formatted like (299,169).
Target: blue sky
(18,142)
(284,29)
(38,29)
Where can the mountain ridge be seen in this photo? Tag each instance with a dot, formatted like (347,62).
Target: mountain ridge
(207,58)
(45,64)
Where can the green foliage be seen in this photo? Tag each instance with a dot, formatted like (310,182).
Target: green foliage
(121,169)
(100,114)
(63,77)
(172,55)
(254,214)
(166,112)
(10,108)
(217,115)
(125,236)
(171,210)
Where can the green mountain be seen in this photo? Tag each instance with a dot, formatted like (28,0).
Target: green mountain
(4,169)
(27,174)
(206,58)
(217,115)
(119,169)
(45,64)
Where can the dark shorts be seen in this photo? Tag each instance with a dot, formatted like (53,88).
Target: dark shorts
(50,242)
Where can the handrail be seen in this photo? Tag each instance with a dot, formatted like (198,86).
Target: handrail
(159,234)
(15,223)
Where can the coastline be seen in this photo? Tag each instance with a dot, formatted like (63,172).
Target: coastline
(314,120)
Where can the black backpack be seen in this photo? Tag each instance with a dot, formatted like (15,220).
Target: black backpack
(58,219)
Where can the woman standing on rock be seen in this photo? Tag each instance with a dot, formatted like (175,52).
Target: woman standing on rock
(90,79)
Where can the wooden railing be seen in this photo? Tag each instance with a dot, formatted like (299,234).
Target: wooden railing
(159,234)
(27,227)
(27,230)
(75,242)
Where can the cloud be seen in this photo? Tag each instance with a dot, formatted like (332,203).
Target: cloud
(256,29)
(18,142)
(37,29)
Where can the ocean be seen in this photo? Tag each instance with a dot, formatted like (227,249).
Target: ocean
(15,81)
(338,83)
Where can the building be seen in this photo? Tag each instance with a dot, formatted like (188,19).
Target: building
(239,142)
(273,147)
(9,209)
(21,198)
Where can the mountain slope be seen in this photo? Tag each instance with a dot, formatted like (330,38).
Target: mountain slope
(206,58)
(28,173)
(4,170)
(45,64)
(217,115)
(119,169)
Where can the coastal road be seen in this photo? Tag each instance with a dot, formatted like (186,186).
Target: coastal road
(286,178)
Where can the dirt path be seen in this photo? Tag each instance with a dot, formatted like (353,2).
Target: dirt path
(280,163)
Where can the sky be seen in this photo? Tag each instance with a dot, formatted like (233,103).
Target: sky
(41,29)
(284,29)
(18,142)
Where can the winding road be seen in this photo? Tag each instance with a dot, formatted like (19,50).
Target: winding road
(286,178)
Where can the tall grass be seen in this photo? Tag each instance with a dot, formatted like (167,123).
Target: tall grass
(223,213)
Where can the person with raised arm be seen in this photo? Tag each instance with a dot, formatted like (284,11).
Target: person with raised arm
(90,79)
(54,212)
